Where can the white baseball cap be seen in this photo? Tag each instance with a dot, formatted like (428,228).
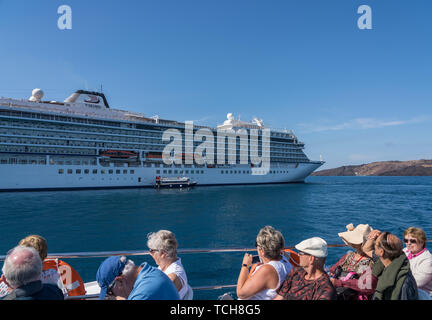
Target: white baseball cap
(316,247)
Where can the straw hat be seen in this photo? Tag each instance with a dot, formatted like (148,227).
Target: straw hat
(357,235)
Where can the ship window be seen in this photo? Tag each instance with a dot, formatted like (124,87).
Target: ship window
(111,171)
(95,171)
(202,171)
(222,172)
(78,171)
(164,171)
(102,171)
(192,171)
(157,171)
(86,171)
(231,172)
(132,171)
(175,172)
(117,171)
(61,171)
(69,171)
(139,179)
(124,171)
(169,171)
(187,171)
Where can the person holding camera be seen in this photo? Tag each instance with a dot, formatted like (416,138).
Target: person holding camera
(262,283)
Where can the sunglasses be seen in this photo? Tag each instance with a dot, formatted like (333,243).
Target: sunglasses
(414,241)
(301,253)
(153,250)
(111,286)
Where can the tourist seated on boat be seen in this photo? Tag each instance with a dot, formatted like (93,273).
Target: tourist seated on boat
(309,281)
(120,279)
(163,249)
(22,271)
(54,271)
(419,257)
(349,272)
(262,283)
(391,276)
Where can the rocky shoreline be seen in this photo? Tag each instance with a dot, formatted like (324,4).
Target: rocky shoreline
(382,168)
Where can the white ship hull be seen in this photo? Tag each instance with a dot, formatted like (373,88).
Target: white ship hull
(16,177)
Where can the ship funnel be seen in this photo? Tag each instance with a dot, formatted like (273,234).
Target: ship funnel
(37,95)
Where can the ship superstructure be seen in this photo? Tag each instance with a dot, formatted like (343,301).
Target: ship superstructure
(83,143)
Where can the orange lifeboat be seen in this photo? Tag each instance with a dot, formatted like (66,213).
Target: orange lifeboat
(119,154)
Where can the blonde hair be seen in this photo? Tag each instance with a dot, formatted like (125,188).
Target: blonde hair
(417,233)
(271,241)
(37,242)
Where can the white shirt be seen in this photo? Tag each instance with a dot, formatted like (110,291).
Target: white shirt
(283,268)
(421,268)
(177,268)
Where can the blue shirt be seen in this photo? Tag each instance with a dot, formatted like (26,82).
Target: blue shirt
(153,284)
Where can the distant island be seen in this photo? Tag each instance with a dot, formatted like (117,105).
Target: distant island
(382,168)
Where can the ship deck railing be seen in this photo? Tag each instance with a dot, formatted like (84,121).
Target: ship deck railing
(104,254)
(131,253)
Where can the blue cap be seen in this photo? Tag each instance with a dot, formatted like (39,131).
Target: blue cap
(107,272)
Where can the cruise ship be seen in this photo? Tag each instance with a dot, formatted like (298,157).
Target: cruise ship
(83,143)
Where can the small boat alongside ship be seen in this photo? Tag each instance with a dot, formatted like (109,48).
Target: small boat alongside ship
(176,182)
(83,143)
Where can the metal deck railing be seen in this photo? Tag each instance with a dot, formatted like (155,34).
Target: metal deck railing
(102,254)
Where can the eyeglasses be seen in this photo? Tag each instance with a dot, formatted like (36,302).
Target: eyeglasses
(413,241)
(301,253)
(256,244)
(153,250)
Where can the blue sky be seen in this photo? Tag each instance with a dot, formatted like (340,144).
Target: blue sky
(353,96)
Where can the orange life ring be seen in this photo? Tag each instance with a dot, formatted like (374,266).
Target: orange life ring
(70,278)
(293,258)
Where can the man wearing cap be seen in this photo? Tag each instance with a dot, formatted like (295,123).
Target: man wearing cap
(309,281)
(119,278)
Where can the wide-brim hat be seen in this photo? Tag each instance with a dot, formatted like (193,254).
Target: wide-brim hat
(316,247)
(357,235)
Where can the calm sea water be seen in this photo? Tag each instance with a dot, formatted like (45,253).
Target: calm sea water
(213,217)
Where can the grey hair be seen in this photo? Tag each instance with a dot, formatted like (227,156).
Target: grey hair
(271,241)
(29,270)
(163,240)
(129,266)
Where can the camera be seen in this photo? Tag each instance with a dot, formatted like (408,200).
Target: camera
(256,259)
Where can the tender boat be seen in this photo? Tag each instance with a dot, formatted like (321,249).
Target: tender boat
(176,182)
